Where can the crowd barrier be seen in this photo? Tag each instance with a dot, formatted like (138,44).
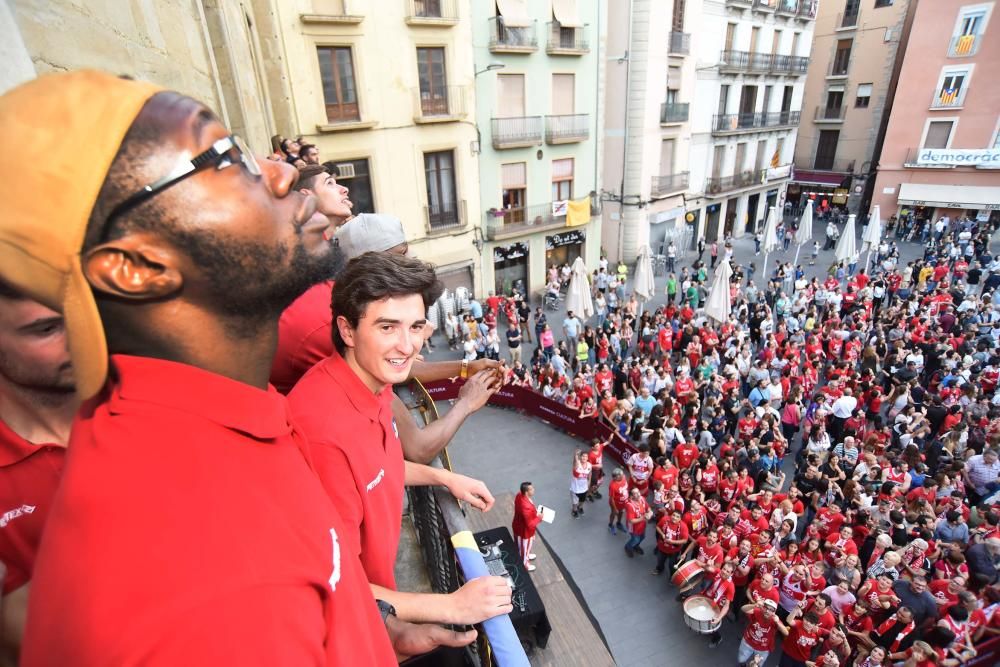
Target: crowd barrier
(555,413)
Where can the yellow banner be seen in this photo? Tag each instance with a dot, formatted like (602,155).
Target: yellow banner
(578,212)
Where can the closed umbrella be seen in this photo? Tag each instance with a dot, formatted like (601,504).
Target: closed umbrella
(847,246)
(770,237)
(643,286)
(803,235)
(578,297)
(719,302)
(873,233)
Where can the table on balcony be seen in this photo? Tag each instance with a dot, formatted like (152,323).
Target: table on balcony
(529,610)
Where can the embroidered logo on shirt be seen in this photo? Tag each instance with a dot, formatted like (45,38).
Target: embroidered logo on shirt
(375,482)
(14,513)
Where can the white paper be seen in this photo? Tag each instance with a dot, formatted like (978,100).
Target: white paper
(548,514)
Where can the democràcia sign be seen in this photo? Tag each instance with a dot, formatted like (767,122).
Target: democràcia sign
(958,157)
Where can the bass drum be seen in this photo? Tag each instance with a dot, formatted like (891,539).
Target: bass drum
(699,615)
(689,573)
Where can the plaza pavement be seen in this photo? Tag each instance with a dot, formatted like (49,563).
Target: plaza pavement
(635,610)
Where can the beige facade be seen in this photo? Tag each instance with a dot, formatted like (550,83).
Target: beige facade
(385,92)
(210,49)
(848,91)
(942,144)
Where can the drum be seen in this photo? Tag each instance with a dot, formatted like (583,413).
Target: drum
(689,573)
(699,615)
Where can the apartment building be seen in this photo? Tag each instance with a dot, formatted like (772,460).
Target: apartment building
(650,86)
(942,144)
(385,92)
(751,59)
(538,78)
(849,87)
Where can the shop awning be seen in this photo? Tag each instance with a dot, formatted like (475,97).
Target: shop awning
(827,178)
(566,13)
(949,196)
(514,13)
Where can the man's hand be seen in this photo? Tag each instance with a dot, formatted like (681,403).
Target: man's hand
(410,639)
(472,491)
(483,365)
(479,600)
(477,389)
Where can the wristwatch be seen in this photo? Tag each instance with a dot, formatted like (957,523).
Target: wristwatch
(385,609)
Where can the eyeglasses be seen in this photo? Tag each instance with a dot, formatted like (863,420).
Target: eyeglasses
(223,153)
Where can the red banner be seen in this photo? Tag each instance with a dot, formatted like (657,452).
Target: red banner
(552,412)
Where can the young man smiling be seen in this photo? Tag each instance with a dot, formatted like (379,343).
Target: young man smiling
(380,303)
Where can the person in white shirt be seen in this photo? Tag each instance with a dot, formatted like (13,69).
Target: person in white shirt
(841,410)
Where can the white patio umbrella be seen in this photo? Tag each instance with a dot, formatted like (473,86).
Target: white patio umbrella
(770,237)
(719,304)
(873,234)
(578,297)
(847,246)
(803,235)
(643,285)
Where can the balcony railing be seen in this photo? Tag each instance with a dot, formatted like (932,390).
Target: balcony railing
(334,12)
(720,184)
(443,104)
(833,167)
(807,9)
(524,220)
(680,43)
(669,184)
(431,12)
(949,99)
(762,63)
(847,19)
(787,7)
(504,39)
(764,5)
(446,215)
(840,66)
(746,122)
(739,4)
(826,114)
(964,46)
(567,129)
(674,112)
(517,131)
(566,41)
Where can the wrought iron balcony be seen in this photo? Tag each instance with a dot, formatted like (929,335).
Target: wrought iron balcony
(508,39)
(734,123)
(669,184)
(438,106)
(507,222)
(517,131)
(825,114)
(964,46)
(949,99)
(446,215)
(787,7)
(431,12)
(674,112)
(739,4)
(567,129)
(721,184)
(679,44)
(764,5)
(790,65)
(744,61)
(566,41)
(807,9)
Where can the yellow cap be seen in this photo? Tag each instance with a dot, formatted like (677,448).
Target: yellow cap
(73,123)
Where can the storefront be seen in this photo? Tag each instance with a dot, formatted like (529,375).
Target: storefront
(663,226)
(564,248)
(510,267)
(930,202)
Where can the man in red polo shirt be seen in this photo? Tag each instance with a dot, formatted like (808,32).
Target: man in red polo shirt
(189,491)
(762,627)
(37,404)
(381,302)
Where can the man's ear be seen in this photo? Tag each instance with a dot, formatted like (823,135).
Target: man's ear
(133,267)
(346,331)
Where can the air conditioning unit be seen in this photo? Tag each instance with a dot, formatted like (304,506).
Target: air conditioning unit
(345,170)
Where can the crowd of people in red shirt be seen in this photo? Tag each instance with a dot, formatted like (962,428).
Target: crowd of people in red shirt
(881,544)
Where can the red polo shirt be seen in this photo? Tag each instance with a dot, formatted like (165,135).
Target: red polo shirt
(190,529)
(358,456)
(305,336)
(30,475)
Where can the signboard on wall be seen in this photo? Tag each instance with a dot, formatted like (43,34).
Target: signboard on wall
(565,238)
(960,157)
(507,252)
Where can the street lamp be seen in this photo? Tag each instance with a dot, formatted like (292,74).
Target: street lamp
(496,64)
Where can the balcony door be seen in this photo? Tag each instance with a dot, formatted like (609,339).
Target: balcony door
(515,188)
(826,149)
(442,202)
(563,94)
(433,81)
(510,95)
(834,100)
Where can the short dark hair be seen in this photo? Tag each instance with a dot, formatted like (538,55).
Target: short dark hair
(374,276)
(525,486)
(309,174)
(8,291)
